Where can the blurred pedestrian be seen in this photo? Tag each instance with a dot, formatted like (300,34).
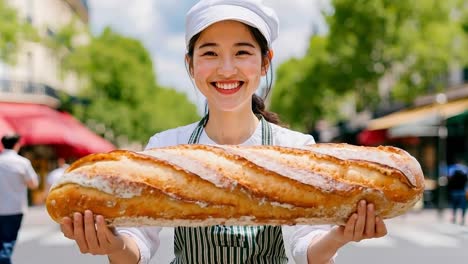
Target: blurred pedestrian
(56,173)
(458,165)
(16,175)
(457,187)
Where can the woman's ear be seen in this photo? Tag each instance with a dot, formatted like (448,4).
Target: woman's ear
(270,54)
(267,61)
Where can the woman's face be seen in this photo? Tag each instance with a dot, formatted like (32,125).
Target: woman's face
(227,65)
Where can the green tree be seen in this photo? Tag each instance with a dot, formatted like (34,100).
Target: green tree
(13,31)
(412,43)
(298,95)
(121,87)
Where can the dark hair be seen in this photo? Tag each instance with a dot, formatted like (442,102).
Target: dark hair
(258,103)
(9,141)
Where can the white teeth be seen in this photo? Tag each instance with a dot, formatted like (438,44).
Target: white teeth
(227,86)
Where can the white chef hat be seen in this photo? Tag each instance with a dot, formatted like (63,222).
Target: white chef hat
(251,12)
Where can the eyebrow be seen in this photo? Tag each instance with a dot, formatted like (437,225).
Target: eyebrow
(240,44)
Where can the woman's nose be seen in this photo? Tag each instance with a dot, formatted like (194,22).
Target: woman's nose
(227,67)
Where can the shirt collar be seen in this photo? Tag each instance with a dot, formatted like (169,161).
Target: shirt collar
(254,139)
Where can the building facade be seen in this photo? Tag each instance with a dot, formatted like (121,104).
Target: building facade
(30,91)
(36,76)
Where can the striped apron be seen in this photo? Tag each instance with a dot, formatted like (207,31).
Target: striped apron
(229,244)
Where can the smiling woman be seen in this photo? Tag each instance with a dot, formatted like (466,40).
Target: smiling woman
(229,50)
(230,66)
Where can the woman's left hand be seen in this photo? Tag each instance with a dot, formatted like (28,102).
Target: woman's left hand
(361,225)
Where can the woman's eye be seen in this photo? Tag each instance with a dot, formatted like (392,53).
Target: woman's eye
(243,52)
(209,53)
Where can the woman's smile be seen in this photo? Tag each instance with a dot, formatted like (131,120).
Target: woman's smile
(227,88)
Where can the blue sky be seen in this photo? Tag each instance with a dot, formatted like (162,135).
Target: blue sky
(159,24)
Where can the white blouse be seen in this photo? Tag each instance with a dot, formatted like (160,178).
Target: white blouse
(147,238)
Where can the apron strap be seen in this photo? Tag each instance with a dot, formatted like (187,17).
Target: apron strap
(195,136)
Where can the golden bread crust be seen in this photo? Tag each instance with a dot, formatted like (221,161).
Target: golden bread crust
(195,185)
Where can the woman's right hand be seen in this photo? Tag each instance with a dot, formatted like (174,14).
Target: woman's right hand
(92,235)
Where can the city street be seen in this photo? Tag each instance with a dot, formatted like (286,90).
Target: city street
(418,237)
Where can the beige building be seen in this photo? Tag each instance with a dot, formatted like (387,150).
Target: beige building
(35,78)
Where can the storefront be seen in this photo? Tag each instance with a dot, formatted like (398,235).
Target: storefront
(435,134)
(48,134)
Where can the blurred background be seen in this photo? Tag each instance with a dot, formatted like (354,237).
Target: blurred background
(80,77)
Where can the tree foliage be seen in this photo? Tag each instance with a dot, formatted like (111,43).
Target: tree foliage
(12,31)
(410,43)
(298,96)
(120,86)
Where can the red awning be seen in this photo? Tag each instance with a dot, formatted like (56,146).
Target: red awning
(5,127)
(39,124)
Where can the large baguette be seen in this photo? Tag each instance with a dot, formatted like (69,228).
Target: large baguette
(197,185)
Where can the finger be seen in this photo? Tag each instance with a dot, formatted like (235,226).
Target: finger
(66,226)
(101,233)
(90,231)
(370,221)
(78,232)
(361,221)
(348,231)
(381,228)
